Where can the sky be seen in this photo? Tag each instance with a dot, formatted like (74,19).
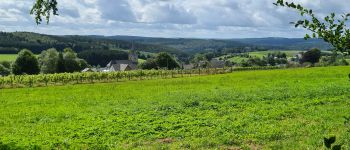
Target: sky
(220,19)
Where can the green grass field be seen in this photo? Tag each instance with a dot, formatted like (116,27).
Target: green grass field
(237,59)
(261,54)
(265,53)
(8,57)
(276,109)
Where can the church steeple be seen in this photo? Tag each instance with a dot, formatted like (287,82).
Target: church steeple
(133,56)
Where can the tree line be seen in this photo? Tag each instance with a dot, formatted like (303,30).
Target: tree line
(313,57)
(48,62)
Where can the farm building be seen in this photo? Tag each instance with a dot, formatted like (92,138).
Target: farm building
(123,65)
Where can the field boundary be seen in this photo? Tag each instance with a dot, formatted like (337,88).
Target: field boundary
(44,80)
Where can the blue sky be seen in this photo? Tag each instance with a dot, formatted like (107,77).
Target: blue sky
(166,18)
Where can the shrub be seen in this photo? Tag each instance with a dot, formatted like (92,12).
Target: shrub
(4,71)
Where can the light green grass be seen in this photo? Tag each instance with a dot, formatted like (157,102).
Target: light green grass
(141,61)
(279,109)
(8,57)
(260,54)
(237,59)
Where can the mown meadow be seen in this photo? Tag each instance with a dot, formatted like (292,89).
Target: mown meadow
(268,109)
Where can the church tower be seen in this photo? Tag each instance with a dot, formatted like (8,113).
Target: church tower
(133,57)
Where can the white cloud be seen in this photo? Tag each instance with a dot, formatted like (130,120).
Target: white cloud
(167,18)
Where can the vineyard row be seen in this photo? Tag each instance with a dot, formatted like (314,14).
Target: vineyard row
(20,81)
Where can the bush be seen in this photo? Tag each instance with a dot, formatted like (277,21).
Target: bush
(4,71)
(6,64)
(149,64)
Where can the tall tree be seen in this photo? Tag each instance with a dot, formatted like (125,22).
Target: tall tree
(331,28)
(26,63)
(71,63)
(60,64)
(48,61)
(165,60)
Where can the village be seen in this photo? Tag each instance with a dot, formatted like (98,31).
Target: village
(133,63)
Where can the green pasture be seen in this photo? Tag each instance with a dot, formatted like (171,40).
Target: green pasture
(261,54)
(274,109)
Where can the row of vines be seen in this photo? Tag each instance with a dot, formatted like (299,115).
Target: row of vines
(13,81)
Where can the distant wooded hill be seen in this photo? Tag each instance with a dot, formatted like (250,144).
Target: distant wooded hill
(286,43)
(12,42)
(196,45)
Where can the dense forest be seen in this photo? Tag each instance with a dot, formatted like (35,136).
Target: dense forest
(255,44)
(11,43)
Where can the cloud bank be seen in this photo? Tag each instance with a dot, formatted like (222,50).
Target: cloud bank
(166,18)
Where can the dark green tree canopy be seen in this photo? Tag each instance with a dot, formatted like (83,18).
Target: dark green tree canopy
(149,64)
(60,64)
(331,28)
(312,56)
(162,61)
(44,8)
(165,60)
(71,62)
(26,63)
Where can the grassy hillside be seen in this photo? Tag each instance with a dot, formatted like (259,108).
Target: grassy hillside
(290,109)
